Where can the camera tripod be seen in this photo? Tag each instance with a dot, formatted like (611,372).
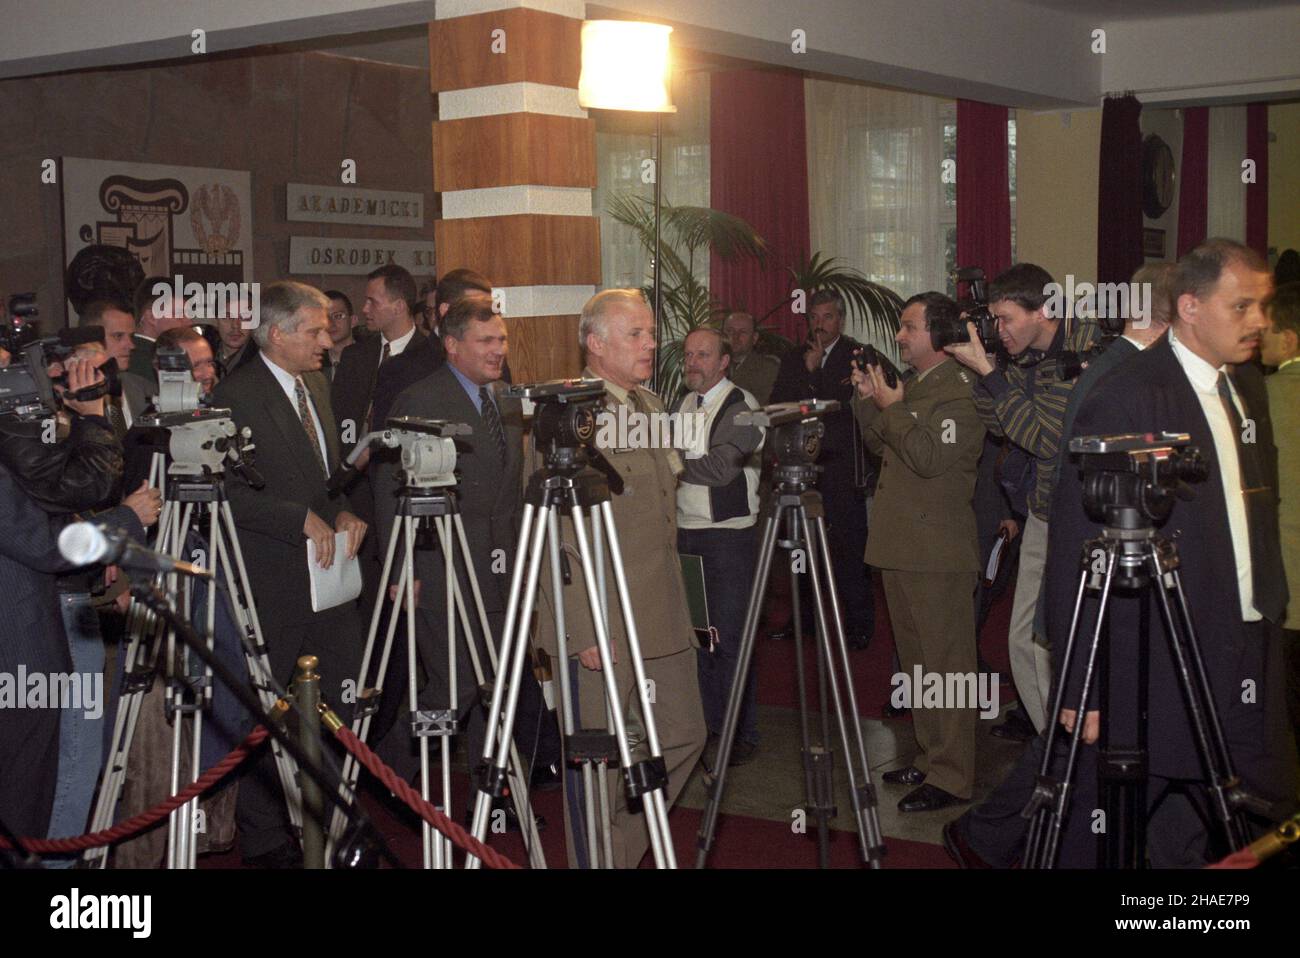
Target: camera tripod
(567,483)
(797,507)
(192,492)
(421,504)
(1135,557)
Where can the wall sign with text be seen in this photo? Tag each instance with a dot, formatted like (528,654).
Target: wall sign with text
(307,203)
(357,257)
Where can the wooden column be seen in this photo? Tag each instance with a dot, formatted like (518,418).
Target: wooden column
(514,158)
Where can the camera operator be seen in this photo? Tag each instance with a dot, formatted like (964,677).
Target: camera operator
(717,515)
(923,537)
(84,467)
(203,367)
(1197,379)
(1022,395)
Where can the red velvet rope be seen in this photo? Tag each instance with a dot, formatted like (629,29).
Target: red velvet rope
(459,837)
(139,823)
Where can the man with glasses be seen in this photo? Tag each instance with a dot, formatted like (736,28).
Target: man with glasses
(343,324)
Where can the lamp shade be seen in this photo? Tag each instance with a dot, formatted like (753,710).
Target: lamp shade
(625,66)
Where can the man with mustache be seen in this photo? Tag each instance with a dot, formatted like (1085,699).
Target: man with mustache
(1197,379)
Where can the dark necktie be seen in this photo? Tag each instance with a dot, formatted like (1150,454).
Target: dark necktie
(1255,490)
(113,413)
(374,380)
(309,424)
(492,419)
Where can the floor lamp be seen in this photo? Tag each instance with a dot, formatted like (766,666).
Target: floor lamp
(625,67)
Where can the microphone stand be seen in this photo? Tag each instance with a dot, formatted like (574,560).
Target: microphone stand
(362,831)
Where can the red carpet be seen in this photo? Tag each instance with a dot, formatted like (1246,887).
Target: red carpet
(741,841)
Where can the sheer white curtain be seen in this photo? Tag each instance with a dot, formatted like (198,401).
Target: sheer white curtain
(623,142)
(875,184)
(1226,193)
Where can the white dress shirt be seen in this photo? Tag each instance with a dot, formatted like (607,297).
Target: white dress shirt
(288,382)
(395,346)
(1204,380)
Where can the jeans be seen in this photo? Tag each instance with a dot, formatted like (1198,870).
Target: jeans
(730,557)
(81,736)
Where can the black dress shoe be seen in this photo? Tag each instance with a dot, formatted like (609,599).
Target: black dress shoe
(890,711)
(288,855)
(955,844)
(910,775)
(928,798)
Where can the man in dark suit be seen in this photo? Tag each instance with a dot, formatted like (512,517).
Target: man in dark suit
(1198,379)
(490,468)
(284,399)
(238,346)
(822,371)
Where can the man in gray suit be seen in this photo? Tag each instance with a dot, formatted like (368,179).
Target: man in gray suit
(490,465)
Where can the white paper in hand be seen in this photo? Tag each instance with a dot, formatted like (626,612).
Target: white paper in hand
(340,583)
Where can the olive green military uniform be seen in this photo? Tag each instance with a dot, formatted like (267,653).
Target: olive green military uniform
(756,374)
(645,516)
(922,538)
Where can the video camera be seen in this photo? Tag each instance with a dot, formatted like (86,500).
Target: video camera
(973,309)
(1131,481)
(795,429)
(869,355)
(177,389)
(202,443)
(26,387)
(428,451)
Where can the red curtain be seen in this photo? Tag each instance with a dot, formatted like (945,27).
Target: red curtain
(758,170)
(1257,192)
(1119,191)
(1194,193)
(983,193)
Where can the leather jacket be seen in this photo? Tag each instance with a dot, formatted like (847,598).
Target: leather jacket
(82,472)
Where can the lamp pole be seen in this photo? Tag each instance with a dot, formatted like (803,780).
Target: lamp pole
(658,305)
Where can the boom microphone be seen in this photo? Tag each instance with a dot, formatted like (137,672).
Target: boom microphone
(90,543)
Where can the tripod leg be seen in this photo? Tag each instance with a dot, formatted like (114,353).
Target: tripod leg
(1211,742)
(1051,831)
(863,798)
(453,686)
(735,698)
(517,772)
(523,591)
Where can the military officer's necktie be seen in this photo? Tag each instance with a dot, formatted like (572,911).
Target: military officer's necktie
(1254,487)
(492,419)
(309,423)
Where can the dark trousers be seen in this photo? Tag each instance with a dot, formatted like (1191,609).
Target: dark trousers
(1291,644)
(846,525)
(730,559)
(335,637)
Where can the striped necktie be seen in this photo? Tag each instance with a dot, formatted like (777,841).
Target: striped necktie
(309,423)
(492,419)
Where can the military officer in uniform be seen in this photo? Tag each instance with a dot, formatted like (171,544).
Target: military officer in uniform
(616,331)
(923,540)
(751,370)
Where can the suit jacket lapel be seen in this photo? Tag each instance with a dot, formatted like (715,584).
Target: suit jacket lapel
(285,416)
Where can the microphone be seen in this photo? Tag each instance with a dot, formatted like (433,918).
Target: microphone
(89,543)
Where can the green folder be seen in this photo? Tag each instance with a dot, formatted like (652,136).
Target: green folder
(697,600)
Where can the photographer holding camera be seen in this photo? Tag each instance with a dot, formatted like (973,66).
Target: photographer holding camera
(922,537)
(1021,393)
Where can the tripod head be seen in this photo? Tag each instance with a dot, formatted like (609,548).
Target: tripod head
(795,432)
(203,442)
(1130,482)
(428,451)
(564,425)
